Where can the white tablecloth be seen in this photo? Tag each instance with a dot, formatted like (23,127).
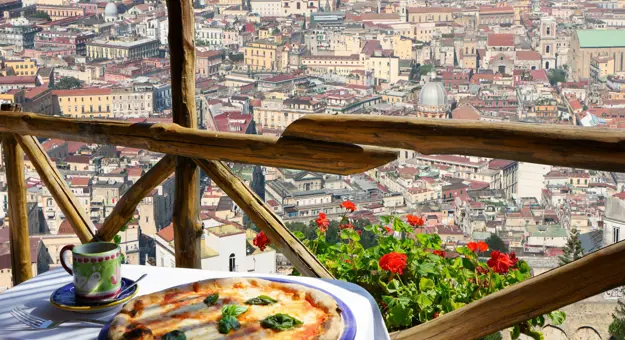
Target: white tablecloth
(34,296)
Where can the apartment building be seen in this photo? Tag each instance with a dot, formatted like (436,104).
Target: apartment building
(264,55)
(83,103)
(132,102)
(123,49)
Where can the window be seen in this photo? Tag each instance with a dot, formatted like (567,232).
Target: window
(616,234)
(232,262)
(547,48)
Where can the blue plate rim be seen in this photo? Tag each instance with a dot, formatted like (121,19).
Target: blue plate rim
(92,307)
(349,320)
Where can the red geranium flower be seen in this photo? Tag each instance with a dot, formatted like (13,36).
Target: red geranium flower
(440,253)
(514,259)
(436,315)
(347,225)
(414,221)
(481,270)
(499,262)
(359,232)
(394,262)
(348,261)
(261,241)
(388,229)
(322,222)
(477,247)
(349,205)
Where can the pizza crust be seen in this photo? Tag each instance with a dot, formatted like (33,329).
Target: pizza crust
(149,306)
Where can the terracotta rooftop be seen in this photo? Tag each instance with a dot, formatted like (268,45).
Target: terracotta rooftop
(496,39)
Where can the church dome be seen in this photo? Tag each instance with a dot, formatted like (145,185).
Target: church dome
(433,94)
(110,10)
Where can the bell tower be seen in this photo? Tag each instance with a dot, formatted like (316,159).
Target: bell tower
(547,46)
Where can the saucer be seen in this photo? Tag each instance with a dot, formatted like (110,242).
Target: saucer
(65,299)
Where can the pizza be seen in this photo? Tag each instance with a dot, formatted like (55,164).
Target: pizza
(231,308)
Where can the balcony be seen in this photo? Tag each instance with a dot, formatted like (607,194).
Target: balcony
(338,144)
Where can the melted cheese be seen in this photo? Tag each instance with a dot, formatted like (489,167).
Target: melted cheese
(187,312)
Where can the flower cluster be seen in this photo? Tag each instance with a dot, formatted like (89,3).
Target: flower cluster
(394,262)
(408,273)
(261,241)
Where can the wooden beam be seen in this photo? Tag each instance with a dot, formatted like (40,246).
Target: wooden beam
(18,216)
(186,219)
(70,206)
(305,262)
(126,206)
(578,280)
(292,153)
(546,144)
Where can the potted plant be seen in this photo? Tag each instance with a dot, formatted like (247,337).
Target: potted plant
(412,279)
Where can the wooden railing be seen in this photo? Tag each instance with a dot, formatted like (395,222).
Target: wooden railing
(344,144)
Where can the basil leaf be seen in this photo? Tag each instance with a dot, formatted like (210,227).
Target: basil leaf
(228,323)
(280,322)
(233,310)
(174,335)
(211,299)
(261,300)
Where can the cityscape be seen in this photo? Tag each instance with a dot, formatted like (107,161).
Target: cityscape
(261,65)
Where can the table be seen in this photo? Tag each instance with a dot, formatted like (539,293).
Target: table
(34,296)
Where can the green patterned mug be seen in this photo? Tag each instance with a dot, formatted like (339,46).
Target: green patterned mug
(96,269)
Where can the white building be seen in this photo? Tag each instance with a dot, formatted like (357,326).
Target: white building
(267,8)
(614,221)
(531,179)
(209,36)
(225,247)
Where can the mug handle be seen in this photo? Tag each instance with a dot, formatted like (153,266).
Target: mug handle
(68,247)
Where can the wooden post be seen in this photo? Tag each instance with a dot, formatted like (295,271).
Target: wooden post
(70,206)
(186,219)
(305,262)
(18,216)
(125,208)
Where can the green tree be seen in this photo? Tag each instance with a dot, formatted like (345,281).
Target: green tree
(425,69)
(556,76)
(573,249)
(496,243)
(617,327)
(41,15)
(67,83)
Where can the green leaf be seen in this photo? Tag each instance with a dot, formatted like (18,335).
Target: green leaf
(344,234)
(426,284)
(300,235)
(399,315)
(228,323)
(385,219)
(261,300)
(538,321)
(123,228)
(423,301)
(211,299)
(117,239)
(369,228)
(233,310)
(426,268)
(355,237)
(280,322)
(468,264)
(515,333)
(456,305)
(557,317)
(174,335)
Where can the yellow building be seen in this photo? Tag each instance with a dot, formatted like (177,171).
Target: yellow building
(61,12)
(586,44)
(431,14)
(22,67)
(123,49)
(14,96)
(264,55)
(341,65)
(601,66)
(402,47)
(83,103)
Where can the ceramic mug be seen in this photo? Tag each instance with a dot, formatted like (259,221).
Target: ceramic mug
(96,270)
